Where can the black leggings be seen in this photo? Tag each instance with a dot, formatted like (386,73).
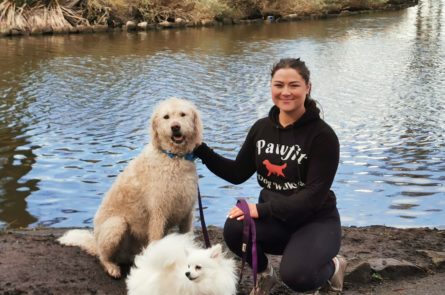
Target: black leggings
(307,251)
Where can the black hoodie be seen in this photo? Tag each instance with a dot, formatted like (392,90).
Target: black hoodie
(295,165)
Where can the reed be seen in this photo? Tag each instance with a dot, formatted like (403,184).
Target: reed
(11,17)
(98,11)
(188,10)
(214,8)
(49,17)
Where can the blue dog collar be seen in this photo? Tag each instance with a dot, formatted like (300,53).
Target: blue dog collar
(189,156)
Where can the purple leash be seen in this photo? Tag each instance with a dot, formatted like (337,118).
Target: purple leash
(203,223)
(249,229)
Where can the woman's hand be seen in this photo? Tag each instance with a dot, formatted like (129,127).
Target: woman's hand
(237,213)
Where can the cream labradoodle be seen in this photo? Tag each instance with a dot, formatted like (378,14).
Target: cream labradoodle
(154,193)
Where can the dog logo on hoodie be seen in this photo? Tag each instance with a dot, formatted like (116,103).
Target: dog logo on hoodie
(274,169)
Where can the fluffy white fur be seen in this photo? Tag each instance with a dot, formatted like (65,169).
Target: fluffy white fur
(175,265)
(154,192)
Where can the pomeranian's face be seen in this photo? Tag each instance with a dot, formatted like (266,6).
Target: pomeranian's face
(202,261)
(194,272)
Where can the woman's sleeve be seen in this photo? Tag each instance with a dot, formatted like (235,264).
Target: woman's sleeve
(322,166)
(235,171)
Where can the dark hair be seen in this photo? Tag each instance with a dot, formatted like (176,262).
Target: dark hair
(293,63)
(298,65)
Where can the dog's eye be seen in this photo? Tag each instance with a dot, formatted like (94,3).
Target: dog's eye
(182,114)
(198,267)
(166,117)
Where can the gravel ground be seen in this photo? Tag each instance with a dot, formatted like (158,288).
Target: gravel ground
(32,262)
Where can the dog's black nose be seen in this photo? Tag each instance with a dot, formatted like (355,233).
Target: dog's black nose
(187,274)
(175,128)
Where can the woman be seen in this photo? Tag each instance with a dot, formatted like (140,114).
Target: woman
(295,154)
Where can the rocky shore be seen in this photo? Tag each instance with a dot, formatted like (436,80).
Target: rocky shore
(268,17)
(57,19)
(382,260)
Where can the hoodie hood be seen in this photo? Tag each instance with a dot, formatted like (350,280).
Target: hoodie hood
(312,113)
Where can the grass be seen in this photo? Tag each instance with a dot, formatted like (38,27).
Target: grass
(376,277)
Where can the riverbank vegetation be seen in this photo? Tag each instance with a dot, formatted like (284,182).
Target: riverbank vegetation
(63,16)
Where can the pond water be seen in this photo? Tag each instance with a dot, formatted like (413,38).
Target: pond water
(74,111)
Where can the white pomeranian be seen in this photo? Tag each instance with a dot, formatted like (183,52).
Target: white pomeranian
(176,265)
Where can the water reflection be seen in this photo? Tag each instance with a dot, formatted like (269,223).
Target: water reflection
(418,158)
(74,110)
(16,161)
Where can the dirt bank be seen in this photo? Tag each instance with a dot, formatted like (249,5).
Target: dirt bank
(32,262)
(36,17)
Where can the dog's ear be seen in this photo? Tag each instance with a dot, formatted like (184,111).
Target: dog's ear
(216,251)
(198,126)
(153,129)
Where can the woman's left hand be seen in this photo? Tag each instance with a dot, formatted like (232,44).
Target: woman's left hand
(237,213)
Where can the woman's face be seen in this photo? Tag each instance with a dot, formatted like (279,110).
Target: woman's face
(289,91)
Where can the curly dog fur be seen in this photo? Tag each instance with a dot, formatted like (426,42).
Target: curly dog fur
(154,193)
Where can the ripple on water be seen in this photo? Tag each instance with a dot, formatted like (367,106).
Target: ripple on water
(73,115)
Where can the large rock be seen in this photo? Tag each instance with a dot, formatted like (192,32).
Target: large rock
(131,26)
(358,272)
(208,22)
(143,26)
(290,17)
(364,271)
(393,269)
(36,31)
(179,22)
(437,258)
(166,24)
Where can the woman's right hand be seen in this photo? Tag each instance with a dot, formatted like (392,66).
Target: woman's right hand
(237,213)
